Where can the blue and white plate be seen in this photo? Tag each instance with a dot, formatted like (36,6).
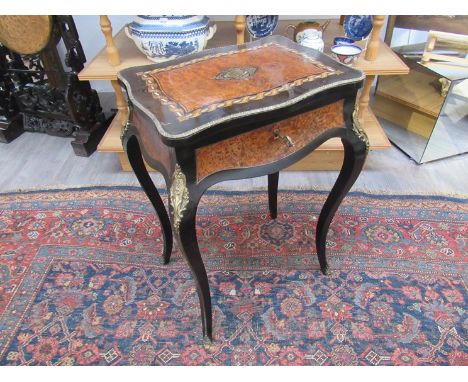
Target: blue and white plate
(357,27)
(261,25)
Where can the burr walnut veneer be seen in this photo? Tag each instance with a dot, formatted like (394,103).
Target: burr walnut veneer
(236,112)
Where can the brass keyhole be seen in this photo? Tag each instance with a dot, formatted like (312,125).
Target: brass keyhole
(285,138)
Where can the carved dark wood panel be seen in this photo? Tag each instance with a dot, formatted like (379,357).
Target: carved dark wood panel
(49,98)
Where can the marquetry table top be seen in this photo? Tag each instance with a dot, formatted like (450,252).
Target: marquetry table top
(197,92)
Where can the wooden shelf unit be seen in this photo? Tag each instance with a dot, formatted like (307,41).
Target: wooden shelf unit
(327,157)
(387,62)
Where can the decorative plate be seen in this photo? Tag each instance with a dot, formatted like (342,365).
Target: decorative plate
(261,25)
(357,27)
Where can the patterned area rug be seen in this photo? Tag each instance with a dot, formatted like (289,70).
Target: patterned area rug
(82,281)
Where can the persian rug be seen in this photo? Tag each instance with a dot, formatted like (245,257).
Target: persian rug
(82,281)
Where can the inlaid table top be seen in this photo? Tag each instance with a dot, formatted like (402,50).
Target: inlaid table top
(198,92)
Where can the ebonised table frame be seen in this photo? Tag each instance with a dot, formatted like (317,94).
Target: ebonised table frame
(185,190)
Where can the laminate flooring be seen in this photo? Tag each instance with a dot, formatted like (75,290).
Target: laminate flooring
(36,160)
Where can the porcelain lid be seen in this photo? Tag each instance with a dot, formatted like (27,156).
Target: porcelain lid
(168,23)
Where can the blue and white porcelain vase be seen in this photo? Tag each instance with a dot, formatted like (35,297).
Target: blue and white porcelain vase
(165,37)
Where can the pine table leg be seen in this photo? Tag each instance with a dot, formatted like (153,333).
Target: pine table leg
(365,96)
(120,102)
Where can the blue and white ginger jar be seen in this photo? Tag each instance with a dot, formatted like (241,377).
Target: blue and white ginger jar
(165,37)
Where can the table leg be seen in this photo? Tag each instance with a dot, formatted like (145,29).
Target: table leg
(273,194)
(190,250)
(184,210)
(120,102)
(355,152)
(365,96)
(133,151)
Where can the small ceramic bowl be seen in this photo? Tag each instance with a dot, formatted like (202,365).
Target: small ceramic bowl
(345,54)
(343,41)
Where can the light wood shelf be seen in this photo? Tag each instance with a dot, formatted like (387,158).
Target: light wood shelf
(326,157)
(110,142)
(387,62)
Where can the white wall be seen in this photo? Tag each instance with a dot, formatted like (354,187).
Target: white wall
(90,33)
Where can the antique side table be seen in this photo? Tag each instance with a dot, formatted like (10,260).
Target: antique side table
(237,112)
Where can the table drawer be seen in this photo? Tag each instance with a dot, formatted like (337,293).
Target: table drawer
(263,146)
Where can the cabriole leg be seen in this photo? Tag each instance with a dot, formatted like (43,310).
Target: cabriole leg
(355,152)
(190,250)
(136,161)
(184,210)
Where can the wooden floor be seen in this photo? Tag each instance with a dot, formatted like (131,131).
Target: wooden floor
(40,161)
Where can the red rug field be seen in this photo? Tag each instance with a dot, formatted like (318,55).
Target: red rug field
(82,281)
